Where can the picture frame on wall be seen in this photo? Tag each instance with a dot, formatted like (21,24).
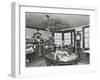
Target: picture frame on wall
(51,40)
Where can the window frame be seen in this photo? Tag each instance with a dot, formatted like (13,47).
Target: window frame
(57,32)
(66,31)
(83,29)
(71,30)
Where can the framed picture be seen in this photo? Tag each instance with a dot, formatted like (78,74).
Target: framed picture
(52,40)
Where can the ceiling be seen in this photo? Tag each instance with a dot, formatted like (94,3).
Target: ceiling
(55,21)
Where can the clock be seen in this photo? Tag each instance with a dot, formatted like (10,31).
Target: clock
(78,36)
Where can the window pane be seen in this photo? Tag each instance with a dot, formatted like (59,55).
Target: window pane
(86,45)
(86,34)
(73,38)
(86,37)
(58,38)
(67,38)
(67,35)
(86,29)
(86,40)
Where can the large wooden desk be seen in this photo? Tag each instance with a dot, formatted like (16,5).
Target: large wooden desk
(54,60)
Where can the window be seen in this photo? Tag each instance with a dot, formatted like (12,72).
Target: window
(58,38)
(86,37)
(67,38)
(73,35)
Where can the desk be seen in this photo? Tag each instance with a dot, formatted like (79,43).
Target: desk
(54,60)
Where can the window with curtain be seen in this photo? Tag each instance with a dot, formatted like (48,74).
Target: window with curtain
(58,38)
(86,37)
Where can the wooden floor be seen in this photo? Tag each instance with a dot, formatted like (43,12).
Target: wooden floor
(37,63)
